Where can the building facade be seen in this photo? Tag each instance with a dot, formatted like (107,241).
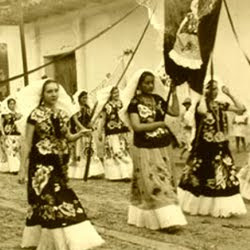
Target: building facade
(50,37)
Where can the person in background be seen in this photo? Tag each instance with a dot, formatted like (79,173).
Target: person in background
(3,156)
(80,121)
(240,123)
(154,202)
(55,218)
(187,122)
(209,184)
(117,161)
(11,136)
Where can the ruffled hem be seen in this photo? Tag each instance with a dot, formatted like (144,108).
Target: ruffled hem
(245,189)
(77,171)
(214,206)
(244,178)
(154,219)
(118,169)
(185,62)
(4,167)
(76,237)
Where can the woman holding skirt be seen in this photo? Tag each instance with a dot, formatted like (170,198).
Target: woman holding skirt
(55,219)
(154,202)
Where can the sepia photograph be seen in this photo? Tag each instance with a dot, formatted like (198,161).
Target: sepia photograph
(124,124)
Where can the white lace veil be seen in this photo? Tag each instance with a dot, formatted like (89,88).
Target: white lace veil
(28,98)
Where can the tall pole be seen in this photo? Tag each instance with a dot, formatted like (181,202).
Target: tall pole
(23,46)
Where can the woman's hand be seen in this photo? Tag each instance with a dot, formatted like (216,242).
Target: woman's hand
(225,90)
(85,132)
(21,176)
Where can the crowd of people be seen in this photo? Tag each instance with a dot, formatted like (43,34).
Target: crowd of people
(62,144)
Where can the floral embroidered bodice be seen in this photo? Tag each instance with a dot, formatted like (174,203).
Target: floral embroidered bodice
(113,123)
(9,125)
(50,130)
(149,112)
(214,124)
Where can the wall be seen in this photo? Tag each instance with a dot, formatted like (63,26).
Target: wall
(102,55)
(10,36)
(59,34)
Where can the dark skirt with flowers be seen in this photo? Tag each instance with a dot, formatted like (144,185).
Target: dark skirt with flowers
(53,203)
(210,171)
(209,185)
(56,218)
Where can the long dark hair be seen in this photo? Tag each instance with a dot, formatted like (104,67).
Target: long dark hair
(111,92)
(83,93)
(11,100)
(209,86)
(142,78)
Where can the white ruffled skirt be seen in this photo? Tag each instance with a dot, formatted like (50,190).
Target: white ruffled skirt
(76,168)
(213,206)
(244,178)
(154,202)
(118,164)
(10,154)
(80,236)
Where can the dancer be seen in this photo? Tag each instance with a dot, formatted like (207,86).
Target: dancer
(209,185)
(80,121)
(56,218)
(117,161)
(154,202)
(11,136)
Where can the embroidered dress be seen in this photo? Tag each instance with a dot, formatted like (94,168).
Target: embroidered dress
(117,161)
(154,202)
(80,147)
(11,143)
(209,185)
(56,219)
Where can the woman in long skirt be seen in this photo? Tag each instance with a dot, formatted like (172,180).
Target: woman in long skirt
(80,121)
(117,160)
(209,185)
(55,219)
(154,202)
(11,136)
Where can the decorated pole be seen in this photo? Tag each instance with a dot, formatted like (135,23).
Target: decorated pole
(22,40)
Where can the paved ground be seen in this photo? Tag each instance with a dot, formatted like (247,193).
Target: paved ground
(106,205)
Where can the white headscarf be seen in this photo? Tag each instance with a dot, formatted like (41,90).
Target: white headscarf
(28,98)
(5,107)
(102,97)
(130,90)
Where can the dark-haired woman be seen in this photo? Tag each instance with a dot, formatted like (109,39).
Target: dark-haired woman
(55,219)
(11,136)
(80,121)
(117,161)
(154,202)
(209,185)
